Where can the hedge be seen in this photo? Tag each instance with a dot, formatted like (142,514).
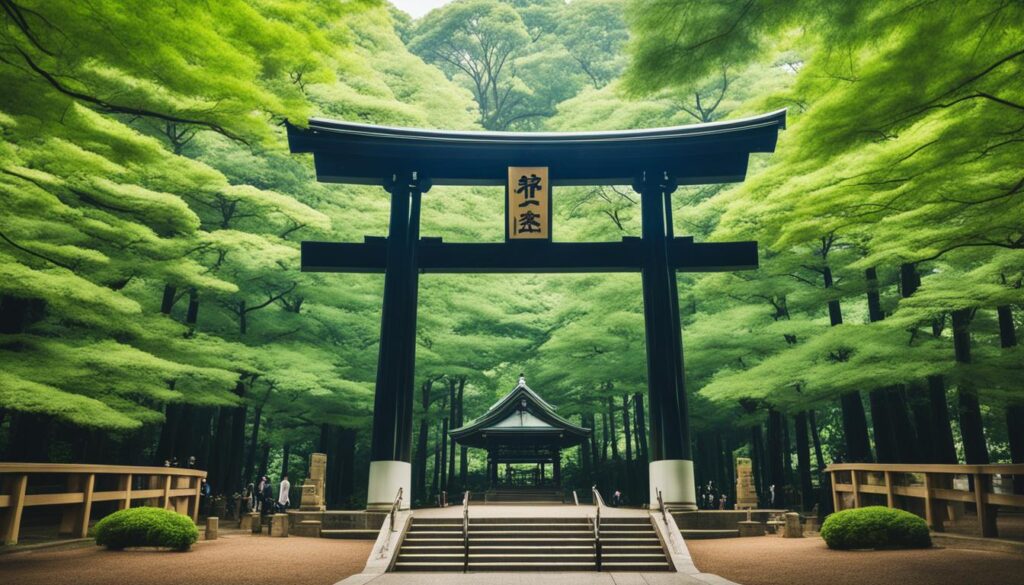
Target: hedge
(146,527)
(875,527)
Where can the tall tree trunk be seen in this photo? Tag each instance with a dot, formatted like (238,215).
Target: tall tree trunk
(630,466)
(286,455)
(776,471)
(168,301)
(971,430)
(942,430)
(221,451)
(824,479)
(855,422)
(902,427)
(594,452)
(885,449)
(237,448)
(881,419)
(463,451)
(453,416)
(168,432)
(1015,409)
(264,460)
(613,437)
(757,464)
(420,461)
(435,484)
(787,450)
(185,445)
(640,431)
(348,466)
(324,444)
(935,430)
(444,454)
(803,460)
(586,458)
(193,307)
(604,437)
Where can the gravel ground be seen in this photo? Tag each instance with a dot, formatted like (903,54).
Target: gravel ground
(772,560)
(238,559)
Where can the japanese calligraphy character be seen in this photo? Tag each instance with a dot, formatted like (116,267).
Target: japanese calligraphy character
(529,222)
(528,187)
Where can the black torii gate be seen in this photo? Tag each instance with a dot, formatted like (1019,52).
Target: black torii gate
(407,162)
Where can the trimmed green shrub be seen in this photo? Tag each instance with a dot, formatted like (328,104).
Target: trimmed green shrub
(146,527)
(875,527)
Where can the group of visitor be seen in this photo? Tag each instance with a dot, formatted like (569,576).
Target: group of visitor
(708,498)
(259,497)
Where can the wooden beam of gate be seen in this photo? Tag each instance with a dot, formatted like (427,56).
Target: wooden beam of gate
(511,257)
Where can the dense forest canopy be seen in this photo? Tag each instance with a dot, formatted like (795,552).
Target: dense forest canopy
(152,307)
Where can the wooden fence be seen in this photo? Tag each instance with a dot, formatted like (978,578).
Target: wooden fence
(40,484)
(936,489)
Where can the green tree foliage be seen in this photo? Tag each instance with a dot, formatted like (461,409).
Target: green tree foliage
(898,157)
(520,59)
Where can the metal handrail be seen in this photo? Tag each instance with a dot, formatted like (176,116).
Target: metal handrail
(394,508)
(465,532)
(575,498)
(597,527)
(661,504)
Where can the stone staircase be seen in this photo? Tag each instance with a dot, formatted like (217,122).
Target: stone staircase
(531,544)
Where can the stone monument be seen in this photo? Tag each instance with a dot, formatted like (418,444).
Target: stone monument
(746,492)
(313,487)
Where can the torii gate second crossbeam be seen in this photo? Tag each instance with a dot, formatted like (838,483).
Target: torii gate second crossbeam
(407,162)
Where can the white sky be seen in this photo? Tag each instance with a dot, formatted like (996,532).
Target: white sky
(418,8)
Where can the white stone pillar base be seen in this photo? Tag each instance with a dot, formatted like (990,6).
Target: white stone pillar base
(385,479)
(674,477)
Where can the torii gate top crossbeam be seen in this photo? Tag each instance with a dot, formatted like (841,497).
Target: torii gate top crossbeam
(716,152)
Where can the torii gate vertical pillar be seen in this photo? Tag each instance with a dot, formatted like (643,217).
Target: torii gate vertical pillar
(671,464)
(391,440)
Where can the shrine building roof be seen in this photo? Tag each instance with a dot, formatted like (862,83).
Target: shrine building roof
(521,416)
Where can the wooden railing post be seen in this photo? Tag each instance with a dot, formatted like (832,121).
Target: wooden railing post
(890,496)
(986,518)
(124,484)
(70,518)
(931,516)
(835,493)
(195,499)
(11,517)
(83,522)
(166,500)
(856,488)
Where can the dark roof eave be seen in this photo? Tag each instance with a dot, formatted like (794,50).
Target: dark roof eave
(347,152)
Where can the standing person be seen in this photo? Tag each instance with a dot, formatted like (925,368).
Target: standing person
(258,496)
(267,495)
(249,498)
(282,494)
(617,498)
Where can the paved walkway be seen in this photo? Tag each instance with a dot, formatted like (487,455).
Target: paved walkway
(234,559)
(552,578)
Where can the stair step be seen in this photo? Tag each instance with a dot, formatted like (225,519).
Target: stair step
(351,533)
(531,544)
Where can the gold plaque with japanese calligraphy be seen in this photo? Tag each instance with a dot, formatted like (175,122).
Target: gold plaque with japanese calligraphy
(528,204)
